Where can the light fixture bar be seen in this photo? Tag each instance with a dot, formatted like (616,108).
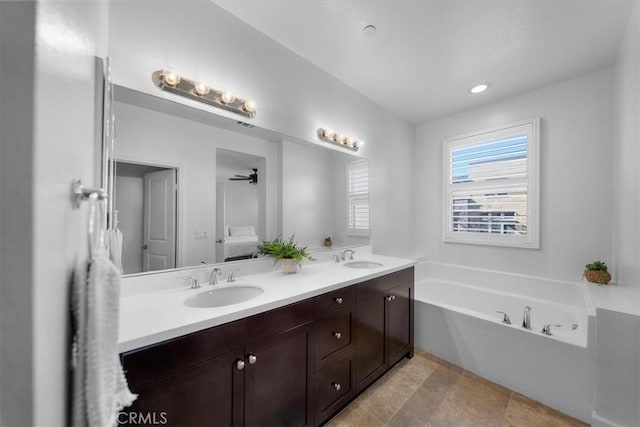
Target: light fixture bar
(336,138)
(196,91)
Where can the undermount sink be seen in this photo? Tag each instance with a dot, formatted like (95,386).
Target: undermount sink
(220,297)
(362,264)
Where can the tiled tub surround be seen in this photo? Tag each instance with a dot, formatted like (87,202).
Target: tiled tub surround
(456,321)
(152,309)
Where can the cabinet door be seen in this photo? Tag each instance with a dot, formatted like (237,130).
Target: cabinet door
(399,323)
(206,394)
(277,380)
(371,357)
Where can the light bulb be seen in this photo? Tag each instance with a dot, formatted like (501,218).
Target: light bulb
(249,107)
(227,98)
(201,89)
(328,134)
(170,78)
(349,141)
(339,138)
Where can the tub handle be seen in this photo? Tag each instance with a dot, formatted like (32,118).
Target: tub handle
(505,317)
(547,329)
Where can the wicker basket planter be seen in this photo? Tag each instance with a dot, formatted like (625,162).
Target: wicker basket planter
(600,277)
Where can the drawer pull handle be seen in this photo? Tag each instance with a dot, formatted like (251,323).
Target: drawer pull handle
(338,335)
(239,365)
(338,300)
(337,386)
(252,359)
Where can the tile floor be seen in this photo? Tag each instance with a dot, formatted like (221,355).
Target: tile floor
(427,391)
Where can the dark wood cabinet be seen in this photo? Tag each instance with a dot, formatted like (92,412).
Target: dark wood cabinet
(384,325)
(276,380)
(192,397)
(296,365)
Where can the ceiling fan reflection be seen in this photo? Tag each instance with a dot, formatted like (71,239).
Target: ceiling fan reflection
(252,178)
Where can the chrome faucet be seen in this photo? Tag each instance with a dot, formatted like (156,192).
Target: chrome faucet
(344,254)
(231,278)
(526,319)
(336,258)
(213,278)
(505,317)
(194,282)
(547,329)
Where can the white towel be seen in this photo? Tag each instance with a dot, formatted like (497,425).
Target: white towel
(115,248)
(100,388)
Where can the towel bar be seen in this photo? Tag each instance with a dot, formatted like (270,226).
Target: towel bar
(80,193)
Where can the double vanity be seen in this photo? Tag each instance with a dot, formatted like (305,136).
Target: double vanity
(268,348)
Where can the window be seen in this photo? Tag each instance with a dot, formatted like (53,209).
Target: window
(491,186)
(358,198)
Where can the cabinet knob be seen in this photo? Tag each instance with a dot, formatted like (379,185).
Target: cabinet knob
(338,335)
(336,385)
(239,365)
(388,298)
(393,297)
(338,300)
(252,359)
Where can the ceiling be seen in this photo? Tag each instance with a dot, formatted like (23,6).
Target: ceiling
(427,54)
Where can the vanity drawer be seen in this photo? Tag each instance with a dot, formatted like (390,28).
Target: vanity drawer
(384,283)
(335,300)
(332,335)
(334,387)
(163,359)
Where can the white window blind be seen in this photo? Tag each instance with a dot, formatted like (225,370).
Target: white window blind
(491,186)
(358,198)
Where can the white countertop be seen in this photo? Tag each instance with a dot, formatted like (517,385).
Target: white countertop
(613,297)
(153,317)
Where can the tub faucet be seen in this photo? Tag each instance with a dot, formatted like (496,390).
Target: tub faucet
(526,319)
(344,254)
(505,317)
(213,278)
(547,329)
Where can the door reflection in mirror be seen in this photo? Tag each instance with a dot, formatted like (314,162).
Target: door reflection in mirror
(146,201)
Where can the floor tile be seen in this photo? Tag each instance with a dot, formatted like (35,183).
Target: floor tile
(354,416)
(524,412)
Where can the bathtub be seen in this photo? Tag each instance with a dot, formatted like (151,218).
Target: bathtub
(456,320)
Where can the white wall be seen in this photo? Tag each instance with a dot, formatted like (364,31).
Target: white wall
(307,193)
(293,96)
(626,157)
(17,57)
(575,184)
(241,203)
(617,390)
(130,203)
(160,139)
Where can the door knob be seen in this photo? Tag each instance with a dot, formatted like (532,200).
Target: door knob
(338,335)
(252,359)
(144,247)
(336,385)
(219,241)
(239,365)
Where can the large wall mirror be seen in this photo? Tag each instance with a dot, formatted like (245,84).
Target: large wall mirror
(192,187)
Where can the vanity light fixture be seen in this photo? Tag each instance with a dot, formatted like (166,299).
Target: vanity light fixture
(178,85)
(338,138)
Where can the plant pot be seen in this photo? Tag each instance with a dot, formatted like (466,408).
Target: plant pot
(599,277)
(289,266)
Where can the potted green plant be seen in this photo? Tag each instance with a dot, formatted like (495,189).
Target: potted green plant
(328,242)
(287,252)
(596,272)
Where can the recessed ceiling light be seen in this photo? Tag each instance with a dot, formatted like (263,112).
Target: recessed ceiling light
(369,30)
(479,88)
